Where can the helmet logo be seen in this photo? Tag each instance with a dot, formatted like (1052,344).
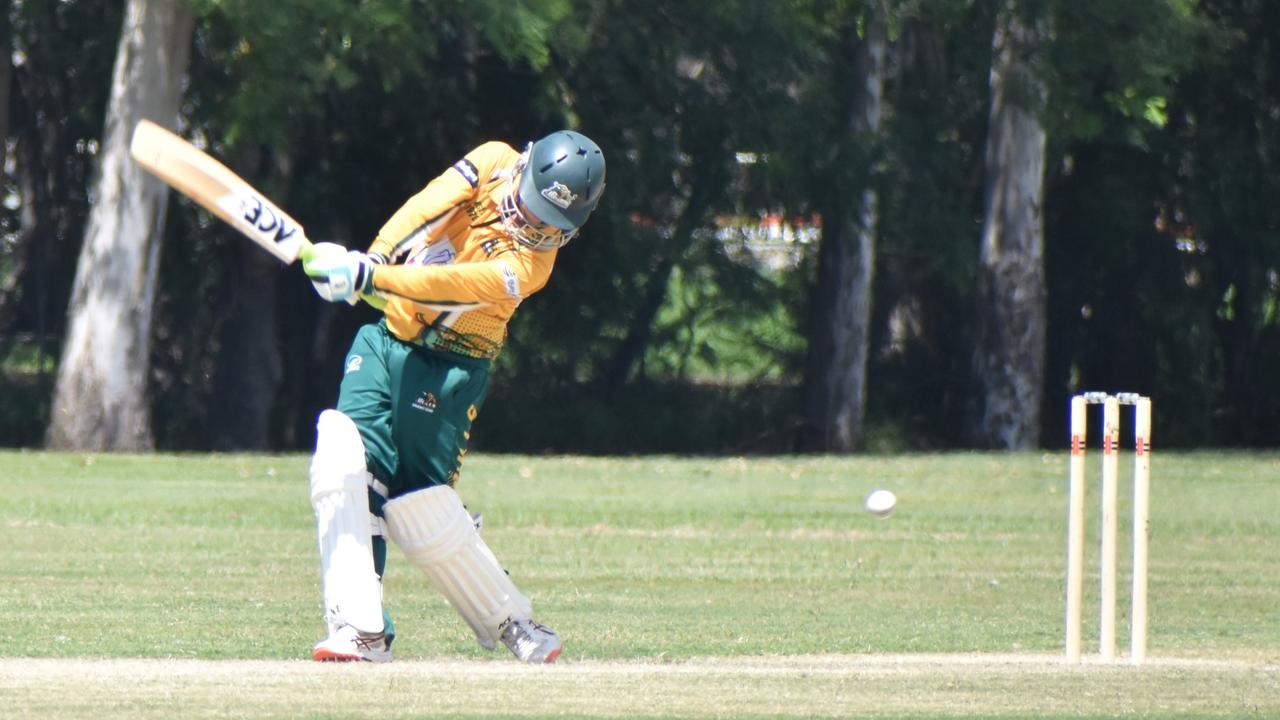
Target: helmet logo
(559,195)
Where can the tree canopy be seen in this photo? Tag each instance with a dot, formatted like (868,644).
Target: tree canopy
(677,322)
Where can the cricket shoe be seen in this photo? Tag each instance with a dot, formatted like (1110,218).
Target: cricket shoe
(531,642)
(347,644)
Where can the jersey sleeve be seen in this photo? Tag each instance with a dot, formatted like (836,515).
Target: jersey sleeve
(438,200)
(467,285)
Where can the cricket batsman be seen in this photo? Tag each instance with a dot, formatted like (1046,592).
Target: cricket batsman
(448,270)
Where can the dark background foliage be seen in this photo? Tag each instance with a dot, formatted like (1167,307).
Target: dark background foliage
(657,333)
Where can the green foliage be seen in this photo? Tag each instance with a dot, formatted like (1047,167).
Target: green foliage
(1221,158)
(703,82)
(340,112)
(285,57)
(1113,65)
(1142,234)
(526,32)
(1160,223)
(724,321)
(56,117)
(291,59)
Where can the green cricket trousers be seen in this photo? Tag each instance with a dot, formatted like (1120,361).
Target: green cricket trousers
(414,408)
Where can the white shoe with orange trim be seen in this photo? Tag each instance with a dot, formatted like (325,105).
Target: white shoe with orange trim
(347,644)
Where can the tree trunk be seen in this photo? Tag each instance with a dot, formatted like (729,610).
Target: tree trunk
(840,304)
(680,242)
(633,347)
(100,401)
(1010,354)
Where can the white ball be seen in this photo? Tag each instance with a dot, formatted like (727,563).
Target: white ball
(881,503)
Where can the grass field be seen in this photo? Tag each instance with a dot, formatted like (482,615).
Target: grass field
(187,586)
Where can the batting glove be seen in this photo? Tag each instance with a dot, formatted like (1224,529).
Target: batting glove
(338,274)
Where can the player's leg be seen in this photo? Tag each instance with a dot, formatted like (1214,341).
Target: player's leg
(350,585)
(437,400)
(370,370)
(352,552)
(438,536)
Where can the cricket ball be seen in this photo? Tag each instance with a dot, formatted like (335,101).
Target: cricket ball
(881,503)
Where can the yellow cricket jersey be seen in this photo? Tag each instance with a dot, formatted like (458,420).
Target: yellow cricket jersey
(455,277)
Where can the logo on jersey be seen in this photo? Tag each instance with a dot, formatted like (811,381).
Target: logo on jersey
(559,195)
(468,171)
(440,252)
(426,402)
(353,364)
(511,281)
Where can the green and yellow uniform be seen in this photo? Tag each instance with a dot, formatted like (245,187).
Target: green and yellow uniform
(414,382)
(454,277)
(462,276)
(449,269)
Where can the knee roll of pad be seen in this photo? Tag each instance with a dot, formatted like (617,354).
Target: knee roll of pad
(439,537)
(338,464)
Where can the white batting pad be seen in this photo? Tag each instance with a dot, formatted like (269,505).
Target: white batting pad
(439,537)
(352,590)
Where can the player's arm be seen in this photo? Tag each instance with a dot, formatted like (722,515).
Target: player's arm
(411,225)
(466,285)
(339,274)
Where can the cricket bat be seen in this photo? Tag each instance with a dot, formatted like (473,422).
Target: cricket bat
(194,173)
